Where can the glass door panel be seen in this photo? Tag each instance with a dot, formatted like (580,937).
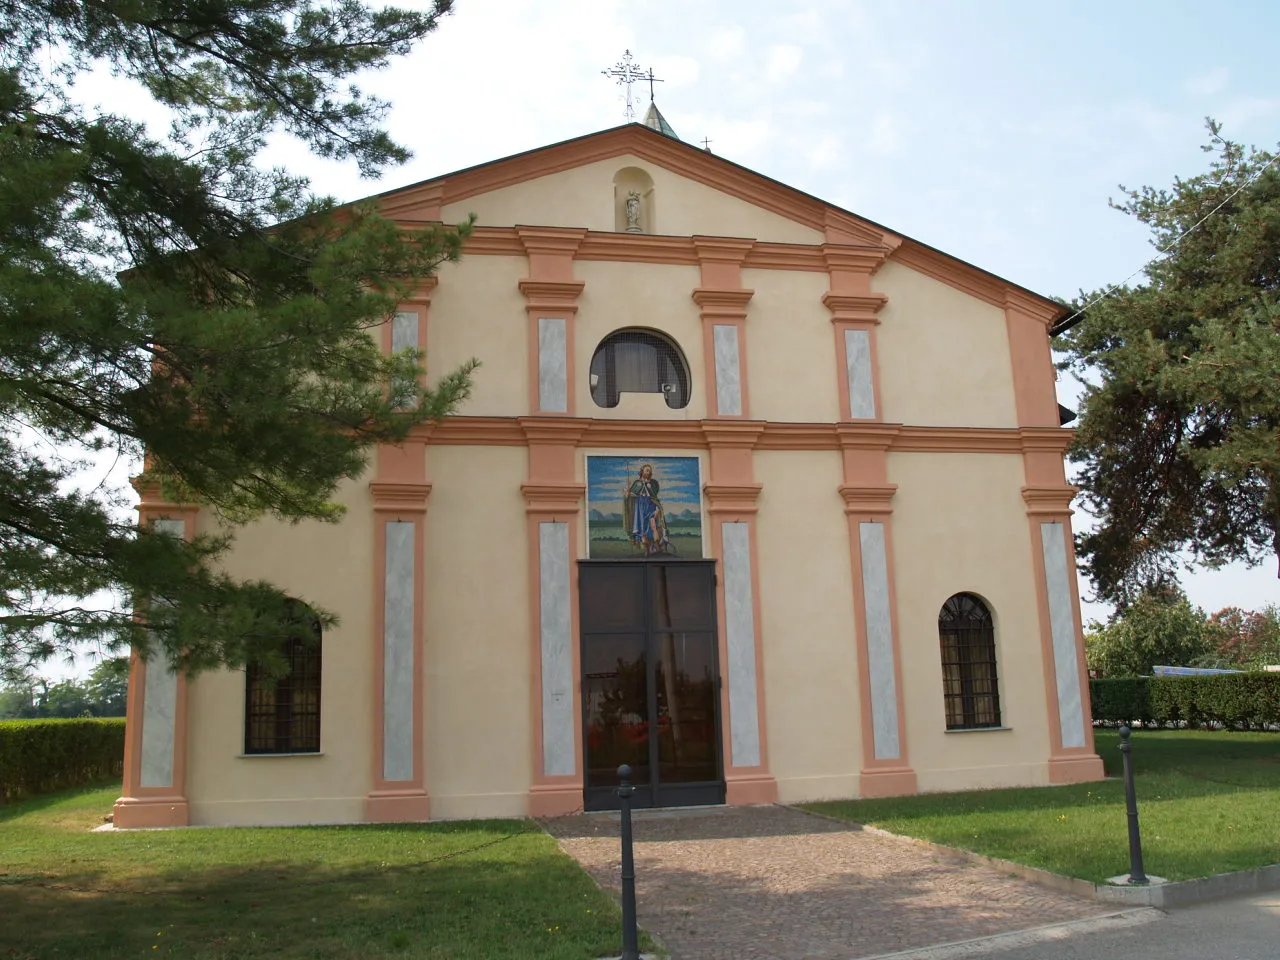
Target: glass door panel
(686,686)
(615,693)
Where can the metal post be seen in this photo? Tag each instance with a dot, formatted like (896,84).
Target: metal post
(630,946)
(1136,873)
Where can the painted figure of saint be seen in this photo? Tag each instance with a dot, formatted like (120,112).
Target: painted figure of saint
(646,524)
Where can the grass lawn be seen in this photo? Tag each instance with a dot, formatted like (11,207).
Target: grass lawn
(1208,802)
(461,891)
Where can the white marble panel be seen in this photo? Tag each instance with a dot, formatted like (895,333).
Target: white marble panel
(857,360)
(740,635)
(553,371)
(159,701)
(1062,627)
(404,331)
(728,373)
(397,653)
(556,633)
(159,717)
(880,667)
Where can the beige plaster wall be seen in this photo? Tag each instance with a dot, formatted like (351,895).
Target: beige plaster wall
(583,197)
(960,525)
(478,634)
(332,566)
(944,355)
(806,611)
(477,310)
(653,295)
(791,360)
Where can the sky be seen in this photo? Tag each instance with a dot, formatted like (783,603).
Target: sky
(995,131)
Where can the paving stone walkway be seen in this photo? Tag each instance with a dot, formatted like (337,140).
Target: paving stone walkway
(774,883)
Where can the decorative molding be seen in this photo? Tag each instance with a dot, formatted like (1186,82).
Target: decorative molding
(1044,311)
(396,495)
(868,499)
(854,259)
(758,434)
(954,273)
(839,226)
(722,304)
(850,309)
(735,498)
(551,296)
(1049,501)
(557,498)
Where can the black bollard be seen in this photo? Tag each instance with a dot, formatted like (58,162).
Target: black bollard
(630,945)
(1136,873)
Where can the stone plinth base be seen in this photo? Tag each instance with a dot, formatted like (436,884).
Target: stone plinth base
(397,806)
(137,812)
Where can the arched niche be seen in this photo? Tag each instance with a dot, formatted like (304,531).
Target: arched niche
(633,202)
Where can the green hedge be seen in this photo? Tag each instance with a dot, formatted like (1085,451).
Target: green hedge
(39,756)
(1246,700)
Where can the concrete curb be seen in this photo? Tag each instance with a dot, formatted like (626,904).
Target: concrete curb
(1164,896)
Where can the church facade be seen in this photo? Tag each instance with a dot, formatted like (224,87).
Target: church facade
(751,493)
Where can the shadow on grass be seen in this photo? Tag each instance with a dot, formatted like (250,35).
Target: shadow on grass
(515,899)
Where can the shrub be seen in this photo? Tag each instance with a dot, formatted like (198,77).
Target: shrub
(1248,700)
(39,756)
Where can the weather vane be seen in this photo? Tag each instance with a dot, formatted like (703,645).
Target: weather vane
(626,73)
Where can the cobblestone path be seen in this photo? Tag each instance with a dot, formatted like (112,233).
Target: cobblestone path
(773,883)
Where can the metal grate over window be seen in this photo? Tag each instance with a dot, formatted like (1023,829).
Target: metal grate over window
(969,683)
(283,715)
(638,361)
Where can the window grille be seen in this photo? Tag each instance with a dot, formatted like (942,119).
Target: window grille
(969,683)
(638,361)
(283,715)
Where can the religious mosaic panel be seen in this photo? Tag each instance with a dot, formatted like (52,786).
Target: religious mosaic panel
(644,507)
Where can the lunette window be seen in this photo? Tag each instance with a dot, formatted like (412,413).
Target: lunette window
(638,361)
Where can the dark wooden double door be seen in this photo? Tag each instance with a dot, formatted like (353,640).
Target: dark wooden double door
(650,681)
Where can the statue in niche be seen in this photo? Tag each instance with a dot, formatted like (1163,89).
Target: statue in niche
(633,212)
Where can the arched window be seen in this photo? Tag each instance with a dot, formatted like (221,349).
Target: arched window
(969,685)
(638,361)
(282,714)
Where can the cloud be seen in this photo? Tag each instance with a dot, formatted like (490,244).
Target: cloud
(784,60)
(676,71)
(885,134)
(727,43)
(1207,84)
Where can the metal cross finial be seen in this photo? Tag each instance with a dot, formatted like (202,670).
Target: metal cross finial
(626,73)
(706,144)
(652,80)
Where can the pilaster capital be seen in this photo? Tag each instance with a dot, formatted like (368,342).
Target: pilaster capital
(1022,302)
(551,241)
(868,499)
(722,249)
(1049,501)
(854,259)
(844,228)
(722,304)
(735,498)
(1046,439)
(399,496)
(557,499)
(732,433)
(551,296)
(854,309)
(565,431)
(867,435)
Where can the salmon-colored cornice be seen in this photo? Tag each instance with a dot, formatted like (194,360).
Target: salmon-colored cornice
(556,241)
(841,227)
(1052,501)
(560,296)
(722,304)
(846,308)
(954,273)
(725,249)
(866,260)
(553,498)
(868,499)
(395,496)
(559,430)
(735,498)
(732,433)
(1043,311)
(757,434)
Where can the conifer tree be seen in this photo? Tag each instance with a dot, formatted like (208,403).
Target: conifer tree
(162,294)
(1179,436)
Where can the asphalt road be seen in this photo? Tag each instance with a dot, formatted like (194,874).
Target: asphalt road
(1243,928)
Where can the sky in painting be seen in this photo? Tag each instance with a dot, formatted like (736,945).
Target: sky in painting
(996,131)
(608,479)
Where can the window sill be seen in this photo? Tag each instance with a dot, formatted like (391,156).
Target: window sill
(272,756)
(977,729)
